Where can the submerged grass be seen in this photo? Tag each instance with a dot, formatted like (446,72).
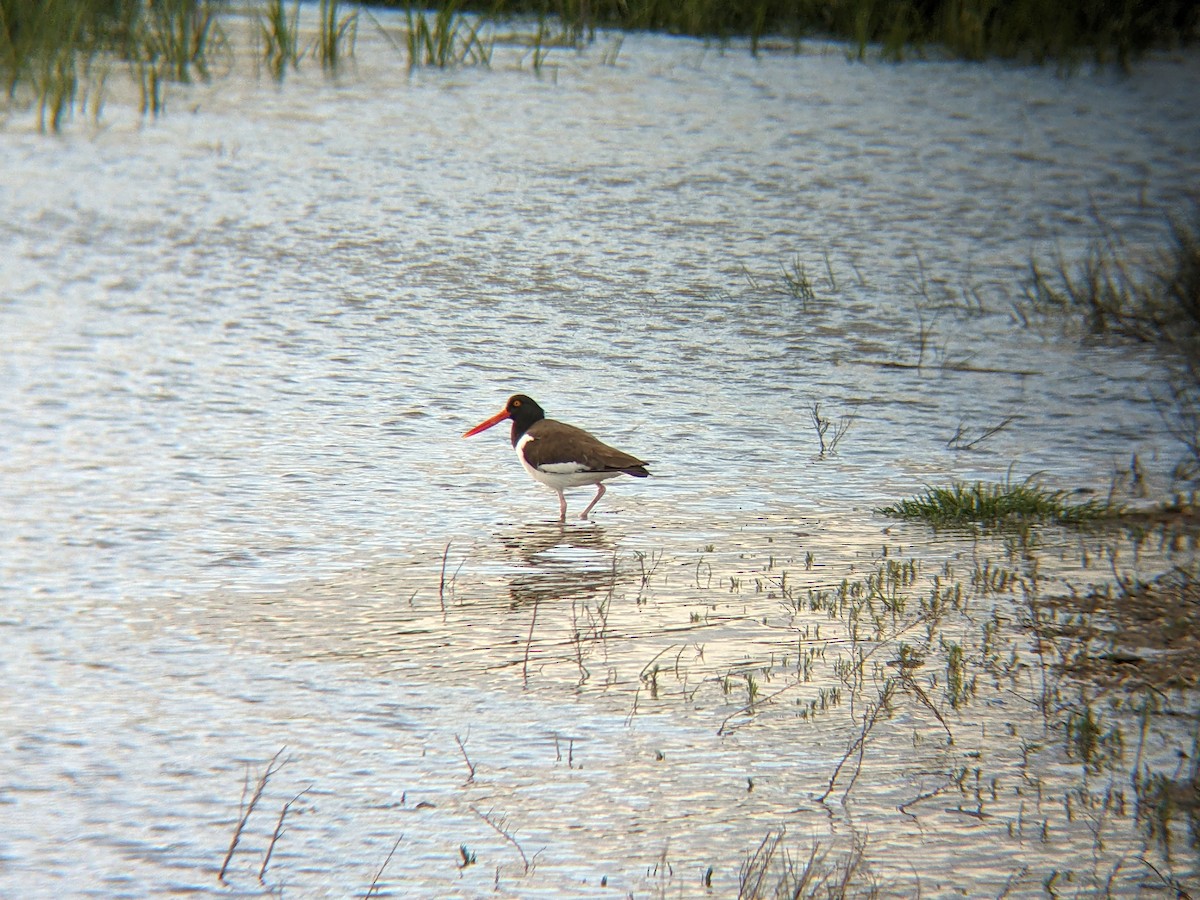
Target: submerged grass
(1154,300)
(997,505)
(968,697)
(54,53)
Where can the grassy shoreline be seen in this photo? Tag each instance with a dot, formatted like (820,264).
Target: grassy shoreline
(1034,30)
(53,48)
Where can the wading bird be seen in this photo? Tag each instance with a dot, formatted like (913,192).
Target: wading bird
(558,455)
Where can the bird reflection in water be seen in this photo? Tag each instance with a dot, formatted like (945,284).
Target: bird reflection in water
(560,563)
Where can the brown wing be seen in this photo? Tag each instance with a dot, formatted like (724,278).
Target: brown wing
(555,444)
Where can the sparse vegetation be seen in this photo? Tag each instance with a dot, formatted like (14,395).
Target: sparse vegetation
(1062,721)
(772,872)
(1154,301)
(961,440)
(798,283)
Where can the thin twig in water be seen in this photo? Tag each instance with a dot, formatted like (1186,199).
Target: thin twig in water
(909,682)
(262,870)
(577,640)
(642,679)
(504,834)
(470,766)
(822,426)
(247,808)
(528,644)
(396,45)
(647,573)
(756,868)
(374,888)
(958,442)
(1167,880)
(750,707)
(927,795)
(442,582)
(859,744)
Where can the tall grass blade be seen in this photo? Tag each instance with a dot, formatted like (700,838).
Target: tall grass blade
(336,35)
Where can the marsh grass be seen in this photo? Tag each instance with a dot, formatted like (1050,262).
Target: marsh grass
(1066,31)
(56,83)
(1153,300)
(1105,676)
(548,36)
(51,51)
(336,34)
(279,31)
(58,53)
(1181,415)
(151,86)
(1122,655)
(48,47)
(797,283)
(997,505)
(957,685)
(171,42)
(771,872)
(446,39)
(177,36)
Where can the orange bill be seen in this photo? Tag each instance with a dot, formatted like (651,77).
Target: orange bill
(488,423)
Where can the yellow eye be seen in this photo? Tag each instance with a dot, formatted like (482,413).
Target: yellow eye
(516,403)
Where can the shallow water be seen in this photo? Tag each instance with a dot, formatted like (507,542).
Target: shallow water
(239,344)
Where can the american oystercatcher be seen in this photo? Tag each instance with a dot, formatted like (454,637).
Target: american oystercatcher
(560,455)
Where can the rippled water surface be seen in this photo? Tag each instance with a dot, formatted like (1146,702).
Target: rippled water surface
(238,346)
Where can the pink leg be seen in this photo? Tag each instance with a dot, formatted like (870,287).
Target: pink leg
(599,493)
(562,507)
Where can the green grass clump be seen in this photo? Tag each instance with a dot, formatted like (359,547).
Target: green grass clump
(445,39)
(997,505)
